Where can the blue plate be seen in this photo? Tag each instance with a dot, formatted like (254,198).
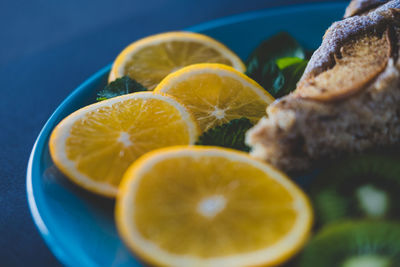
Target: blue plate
(79,227)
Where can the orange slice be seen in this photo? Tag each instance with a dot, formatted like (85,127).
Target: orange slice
(206,206)
(216,94)
(96,144)
(152,58)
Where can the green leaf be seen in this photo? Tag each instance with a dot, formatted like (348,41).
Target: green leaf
(264,63)
(121,86)
(231,135)
(287,61)
(292,74)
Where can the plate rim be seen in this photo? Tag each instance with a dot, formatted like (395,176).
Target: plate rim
(62,253)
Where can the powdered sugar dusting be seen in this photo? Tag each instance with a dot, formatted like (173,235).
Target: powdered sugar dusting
(341,31)
(359,6)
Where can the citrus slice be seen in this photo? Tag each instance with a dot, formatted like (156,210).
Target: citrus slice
(96,144)
(152,58)
(207,206)
(216,94)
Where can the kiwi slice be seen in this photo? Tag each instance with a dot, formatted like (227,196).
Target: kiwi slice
(354,244)
(365,186)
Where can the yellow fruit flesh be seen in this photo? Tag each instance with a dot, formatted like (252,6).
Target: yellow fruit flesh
(256,212)
(151,64)
(103,143)
(216,99)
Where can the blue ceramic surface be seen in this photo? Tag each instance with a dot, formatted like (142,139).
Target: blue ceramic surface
(79,227)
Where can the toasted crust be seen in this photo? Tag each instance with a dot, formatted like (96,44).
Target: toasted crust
(359,62)
(347,29)
(300,130)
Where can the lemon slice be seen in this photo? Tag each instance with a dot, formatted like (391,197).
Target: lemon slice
(216,94)
(96,144)
(150,59)
(206,206)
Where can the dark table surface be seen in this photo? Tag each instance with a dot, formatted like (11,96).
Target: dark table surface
(49,47)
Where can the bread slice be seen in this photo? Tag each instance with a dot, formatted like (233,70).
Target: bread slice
(347,101)
(357,63)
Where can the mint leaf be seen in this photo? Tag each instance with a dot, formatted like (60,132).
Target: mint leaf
(231,135)
(121,86)
(287,61)
(267,74)
(292,74)
(266,62)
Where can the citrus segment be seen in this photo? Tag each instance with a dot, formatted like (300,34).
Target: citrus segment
(152,58)
(205,206)
(96,144)
(216,94)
